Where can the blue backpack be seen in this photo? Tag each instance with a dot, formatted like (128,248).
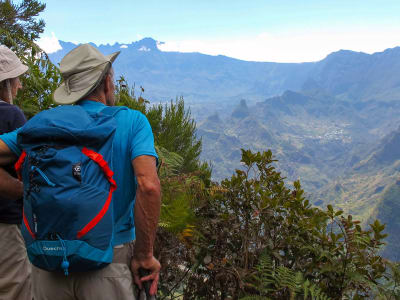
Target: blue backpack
(66,168)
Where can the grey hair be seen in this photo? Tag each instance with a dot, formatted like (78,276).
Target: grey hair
(5,86)
(8,87)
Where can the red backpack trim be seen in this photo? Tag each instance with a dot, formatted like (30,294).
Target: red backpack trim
(27,225)
(18,167)
(98,158)
(18,164)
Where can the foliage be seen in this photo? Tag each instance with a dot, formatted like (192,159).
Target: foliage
(39,84)
(183,140)
(173,127)
(18,31)
(252,213)
(181,194)
(183,187)
(19,24)
(270,278)
(389,288)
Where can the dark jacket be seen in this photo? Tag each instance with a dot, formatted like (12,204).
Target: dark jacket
(11,117)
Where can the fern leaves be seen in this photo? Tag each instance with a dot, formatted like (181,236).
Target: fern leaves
(283,283)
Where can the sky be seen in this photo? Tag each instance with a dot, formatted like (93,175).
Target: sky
(255,30)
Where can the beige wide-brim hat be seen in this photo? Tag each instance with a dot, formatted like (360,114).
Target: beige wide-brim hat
(82,70)
(10,65)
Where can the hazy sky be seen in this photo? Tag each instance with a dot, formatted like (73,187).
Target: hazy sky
(269,30)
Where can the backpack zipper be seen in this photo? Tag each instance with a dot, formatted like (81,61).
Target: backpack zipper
(34,168)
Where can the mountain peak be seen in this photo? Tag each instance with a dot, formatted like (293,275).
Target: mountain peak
(344,54)
(345,57)
(146,45)
(241,111)
(214,118)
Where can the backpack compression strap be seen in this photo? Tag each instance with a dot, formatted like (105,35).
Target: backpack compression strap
(98,158)
(27,225)
(18,164)
(18,167)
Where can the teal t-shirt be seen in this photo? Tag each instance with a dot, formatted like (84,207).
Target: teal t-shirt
(133,138)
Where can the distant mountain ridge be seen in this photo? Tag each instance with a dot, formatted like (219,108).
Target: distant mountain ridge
(198,77)
(359,76)
(344,74)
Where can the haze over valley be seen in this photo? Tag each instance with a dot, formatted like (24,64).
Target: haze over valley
(333,124)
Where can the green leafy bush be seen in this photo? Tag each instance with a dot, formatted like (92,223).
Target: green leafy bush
(254,214)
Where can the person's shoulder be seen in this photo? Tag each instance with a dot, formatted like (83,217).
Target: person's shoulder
(16,109)
(6,105)
(9,106)
(12,110)
(11,117)
(18,113)
(130,113)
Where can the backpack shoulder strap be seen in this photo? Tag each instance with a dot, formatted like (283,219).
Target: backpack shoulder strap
(113,110)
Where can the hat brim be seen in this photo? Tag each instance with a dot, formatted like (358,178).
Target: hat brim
(113,56)
(61,96)
(14,73)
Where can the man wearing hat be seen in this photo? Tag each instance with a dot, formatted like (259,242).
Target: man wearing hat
(15,269)
(88,81)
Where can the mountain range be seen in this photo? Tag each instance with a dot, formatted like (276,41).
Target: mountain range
(345,74)
(371,189)
(333,124)
(196,76)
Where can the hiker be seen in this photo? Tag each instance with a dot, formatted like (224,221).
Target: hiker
(15,269)
(89,83)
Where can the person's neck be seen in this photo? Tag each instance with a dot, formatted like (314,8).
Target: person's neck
(97,99)
(4,98)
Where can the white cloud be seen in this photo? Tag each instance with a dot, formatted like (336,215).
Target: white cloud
(49,44)
(292,46)
(124,46)
(144,48)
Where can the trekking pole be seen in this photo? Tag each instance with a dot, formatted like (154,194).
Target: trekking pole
(147,284)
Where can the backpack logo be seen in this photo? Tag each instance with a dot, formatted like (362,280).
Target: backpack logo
(76,171)
(52,248)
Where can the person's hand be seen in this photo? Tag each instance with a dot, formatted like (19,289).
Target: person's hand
(151,265)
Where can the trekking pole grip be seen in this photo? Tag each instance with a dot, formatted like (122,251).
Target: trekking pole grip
(146,284)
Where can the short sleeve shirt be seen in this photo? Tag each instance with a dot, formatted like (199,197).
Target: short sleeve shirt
(133,138)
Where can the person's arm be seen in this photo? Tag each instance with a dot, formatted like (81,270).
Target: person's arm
(10,187)
(147,212)
(7,157)
(9,149)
